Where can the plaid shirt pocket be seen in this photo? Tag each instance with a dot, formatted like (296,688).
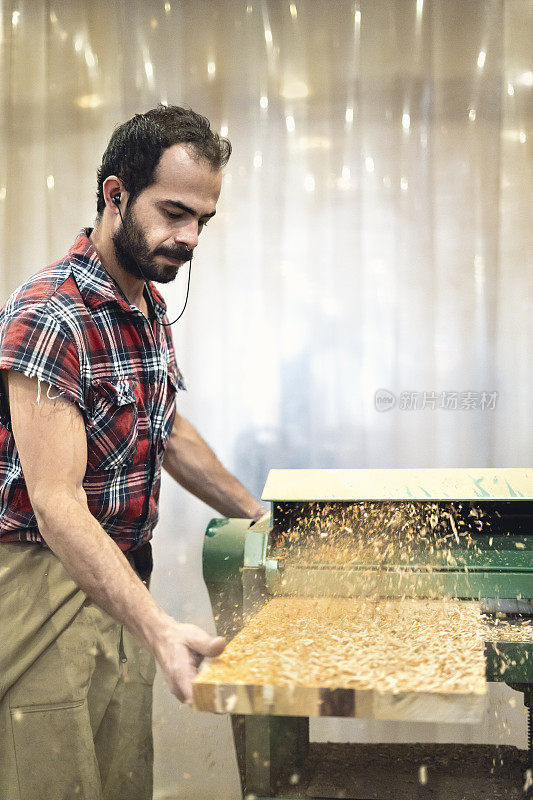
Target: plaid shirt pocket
(113,434)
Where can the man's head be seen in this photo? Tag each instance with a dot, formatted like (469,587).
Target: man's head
(158,185)
(136,147)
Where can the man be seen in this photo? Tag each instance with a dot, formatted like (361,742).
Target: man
(87,418)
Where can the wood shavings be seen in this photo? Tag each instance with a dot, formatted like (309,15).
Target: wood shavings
(498,630)
(381,533)
(387,646)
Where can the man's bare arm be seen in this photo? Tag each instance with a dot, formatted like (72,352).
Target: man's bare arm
(192,463)
(52,445)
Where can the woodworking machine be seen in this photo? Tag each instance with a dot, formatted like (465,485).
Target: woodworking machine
(448,533)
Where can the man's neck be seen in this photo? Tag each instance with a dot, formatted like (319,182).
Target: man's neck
(132,287)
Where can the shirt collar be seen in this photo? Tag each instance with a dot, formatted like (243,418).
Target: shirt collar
(95,285)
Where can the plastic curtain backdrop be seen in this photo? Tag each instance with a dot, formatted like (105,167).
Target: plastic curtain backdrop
(364,295)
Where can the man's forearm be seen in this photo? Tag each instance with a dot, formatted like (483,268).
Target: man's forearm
(98,566)
(194,465)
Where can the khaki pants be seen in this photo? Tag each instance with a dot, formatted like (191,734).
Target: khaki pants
(75,718)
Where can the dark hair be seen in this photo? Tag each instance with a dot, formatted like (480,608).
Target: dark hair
(136,146)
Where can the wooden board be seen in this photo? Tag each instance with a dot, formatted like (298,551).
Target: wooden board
(374,659)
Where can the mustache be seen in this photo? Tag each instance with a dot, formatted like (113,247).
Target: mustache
(180,253)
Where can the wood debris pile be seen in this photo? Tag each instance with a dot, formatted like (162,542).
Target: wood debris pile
(387,646)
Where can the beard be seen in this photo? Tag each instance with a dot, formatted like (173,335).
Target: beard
(135,257)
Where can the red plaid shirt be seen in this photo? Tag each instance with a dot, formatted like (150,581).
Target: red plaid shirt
(71,327)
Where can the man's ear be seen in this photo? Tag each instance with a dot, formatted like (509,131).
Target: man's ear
(114,193)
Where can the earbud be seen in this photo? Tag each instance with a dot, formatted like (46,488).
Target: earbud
(116,199)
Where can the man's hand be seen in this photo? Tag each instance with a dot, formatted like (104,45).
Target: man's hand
(262,517)
(180,651)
